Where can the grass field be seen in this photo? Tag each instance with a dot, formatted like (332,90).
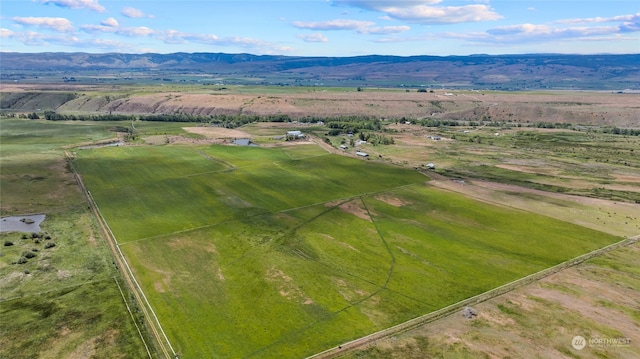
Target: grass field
(285,252)
(64,302)
(595,299)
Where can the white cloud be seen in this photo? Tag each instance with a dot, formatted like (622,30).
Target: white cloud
(98,28)
(32,38)
(379,5)
(361,27)
(443,14)
(313,38)
(110,22)
(135,31)
(333,25)
(140,31)
(423,11)
(622,18)
(134,13)
(59,24)
(6,33)
(173,36)
(383,30)
(77,4)
(626,24)
(534,33)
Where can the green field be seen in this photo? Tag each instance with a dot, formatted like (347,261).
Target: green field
(64,302)
(284,252)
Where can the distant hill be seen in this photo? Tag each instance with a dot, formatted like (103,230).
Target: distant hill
(509,72)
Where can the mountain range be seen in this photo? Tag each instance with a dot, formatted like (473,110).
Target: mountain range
(508,72)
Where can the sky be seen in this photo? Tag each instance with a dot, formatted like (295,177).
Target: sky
(322,27)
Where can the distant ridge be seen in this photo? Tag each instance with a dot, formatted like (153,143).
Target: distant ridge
(600,71)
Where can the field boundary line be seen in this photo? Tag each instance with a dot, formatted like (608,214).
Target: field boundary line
(345,348)
(133,285)
(124,299)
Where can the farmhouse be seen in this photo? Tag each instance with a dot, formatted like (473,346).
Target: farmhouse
(362,154)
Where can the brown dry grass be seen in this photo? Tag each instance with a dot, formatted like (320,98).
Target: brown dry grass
(598,108)
(617,218)
(218,132)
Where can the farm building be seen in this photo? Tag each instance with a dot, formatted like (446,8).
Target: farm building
(362,154)
(344,147)
(431,166)
(243,142)
(295,134)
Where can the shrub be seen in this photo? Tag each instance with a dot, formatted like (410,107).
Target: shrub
(8,243)
(24,236)
(22,260)
(28,254)
(49,245)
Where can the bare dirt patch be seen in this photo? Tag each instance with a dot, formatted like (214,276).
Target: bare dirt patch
(354,207)
(218,132)
(286,287)
(63,274)
(392,200)
(626,178)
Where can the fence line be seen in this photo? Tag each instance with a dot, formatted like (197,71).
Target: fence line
(134,286)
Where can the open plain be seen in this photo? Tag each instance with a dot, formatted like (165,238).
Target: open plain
(290,248)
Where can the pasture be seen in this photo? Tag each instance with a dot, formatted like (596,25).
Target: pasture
(287,251)
(59,293)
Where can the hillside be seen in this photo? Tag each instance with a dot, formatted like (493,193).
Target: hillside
(508,72)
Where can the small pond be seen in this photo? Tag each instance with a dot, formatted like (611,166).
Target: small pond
(30,223)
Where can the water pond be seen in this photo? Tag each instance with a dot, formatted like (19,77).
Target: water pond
(30,223)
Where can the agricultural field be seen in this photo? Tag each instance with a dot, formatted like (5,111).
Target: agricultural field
(596,300)
(290,248)
(60,294)
(287,251)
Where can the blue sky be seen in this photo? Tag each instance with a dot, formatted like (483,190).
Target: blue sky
(322,27)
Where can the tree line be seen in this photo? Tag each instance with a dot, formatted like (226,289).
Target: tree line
(337,124)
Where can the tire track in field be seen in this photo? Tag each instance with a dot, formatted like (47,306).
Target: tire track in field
(294,333)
